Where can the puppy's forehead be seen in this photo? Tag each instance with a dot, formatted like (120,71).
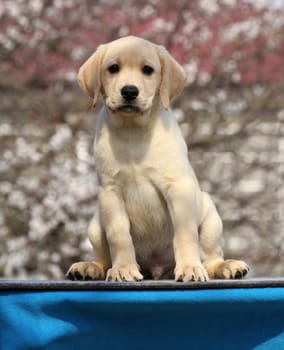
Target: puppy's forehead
(131,50)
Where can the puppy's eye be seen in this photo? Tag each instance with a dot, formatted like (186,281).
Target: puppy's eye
(114,68)
(147,70)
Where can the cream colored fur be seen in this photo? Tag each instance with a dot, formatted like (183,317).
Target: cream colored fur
(152,219)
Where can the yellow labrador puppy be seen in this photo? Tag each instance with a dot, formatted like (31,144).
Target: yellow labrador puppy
(152,219)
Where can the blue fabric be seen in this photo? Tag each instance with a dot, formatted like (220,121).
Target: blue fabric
(184,319)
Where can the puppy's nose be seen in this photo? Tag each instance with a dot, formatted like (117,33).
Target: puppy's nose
(129,92)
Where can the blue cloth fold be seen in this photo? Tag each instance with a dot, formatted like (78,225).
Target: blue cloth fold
(218,319)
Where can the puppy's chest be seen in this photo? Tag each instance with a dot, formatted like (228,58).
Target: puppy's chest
(144,202)
(131,165)
(120,158)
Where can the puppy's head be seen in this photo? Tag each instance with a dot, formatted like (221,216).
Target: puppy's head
(131,74)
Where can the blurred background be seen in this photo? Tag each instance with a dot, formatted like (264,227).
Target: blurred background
(231,114)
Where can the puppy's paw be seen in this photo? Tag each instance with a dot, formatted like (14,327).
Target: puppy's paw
(124,273)
(86,271)
(229,269)
(194,272)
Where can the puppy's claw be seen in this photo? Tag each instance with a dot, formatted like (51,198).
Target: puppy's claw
(78,276)
(120,274)
(238,275)
(191,273)
(85,271)
(228,269)
(69,276)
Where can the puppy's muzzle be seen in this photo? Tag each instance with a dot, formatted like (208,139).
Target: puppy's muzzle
(129,93)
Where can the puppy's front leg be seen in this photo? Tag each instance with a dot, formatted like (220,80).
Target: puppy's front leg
(117,228)
(182,203)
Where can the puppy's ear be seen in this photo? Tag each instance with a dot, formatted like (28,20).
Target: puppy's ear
(89,75)
(173,77)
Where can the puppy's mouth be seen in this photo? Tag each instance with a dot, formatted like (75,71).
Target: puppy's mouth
(128,108)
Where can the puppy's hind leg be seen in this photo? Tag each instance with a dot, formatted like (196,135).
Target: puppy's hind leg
(211,230)
(93,270)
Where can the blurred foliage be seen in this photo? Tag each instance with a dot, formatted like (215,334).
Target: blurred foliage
(45,41)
